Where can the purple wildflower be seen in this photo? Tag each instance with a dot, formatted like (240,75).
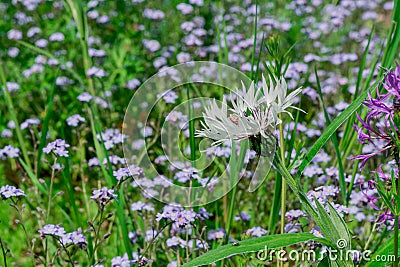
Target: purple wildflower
(14,35)
(133,84)
(256,231)
(57,37)
(6,133)
(13,52)
(177,215)
(58,147)
(8,191)
(76,238)
(9,152)
(133,237)
(176,241)
(103,196)
(242,216)
(84,97)
(187,174)
(74,120)
(123,261)
(380,124)
(185,8)
(317,232)
(216,234)
(140,206)
(51,229)
(27,123)
(153,14)
(111,137)
(294,214)
(11,86)
(151,45)
(94,71)
(203,214)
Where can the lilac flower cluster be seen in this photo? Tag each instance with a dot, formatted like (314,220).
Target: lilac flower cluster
(74,120)
(9,191)
(58,147)
(124,261)
(9,152)
(216,234)
(51,229)
(75,237)
(96,72)
(177,214)
(103,196)
(123,173)
(242,216)
(140,206)
(256,231)
(113,159)
(65,239)
(179,242)
(29,122)
(111,137)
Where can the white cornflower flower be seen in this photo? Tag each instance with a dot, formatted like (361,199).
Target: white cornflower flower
(253,113)
(278,92)
(220,126)
(247,100)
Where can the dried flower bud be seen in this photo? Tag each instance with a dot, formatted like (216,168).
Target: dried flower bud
(107,235)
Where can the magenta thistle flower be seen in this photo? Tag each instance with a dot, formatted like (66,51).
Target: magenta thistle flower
(380,124)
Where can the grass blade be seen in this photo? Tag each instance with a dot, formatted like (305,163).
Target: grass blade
(342,182)
(13,115)
(331,129)
(252,245)
(45,129)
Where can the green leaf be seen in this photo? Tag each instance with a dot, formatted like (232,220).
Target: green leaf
(252,245)
(385,250)
(341,227)
(332,225)
(324,262)
(342,182)
(335,231)
(326,227)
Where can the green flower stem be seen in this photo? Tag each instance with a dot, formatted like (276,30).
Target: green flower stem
(396,241)
(13,116)
(51,190)
(4,251)
(283,188)
(396,226)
